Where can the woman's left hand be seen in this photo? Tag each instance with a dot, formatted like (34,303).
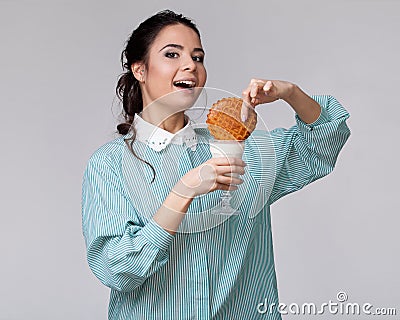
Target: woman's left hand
(262,91)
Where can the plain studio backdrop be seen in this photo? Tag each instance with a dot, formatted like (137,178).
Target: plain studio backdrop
(59,67)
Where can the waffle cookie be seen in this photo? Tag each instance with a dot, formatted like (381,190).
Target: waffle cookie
(224,121)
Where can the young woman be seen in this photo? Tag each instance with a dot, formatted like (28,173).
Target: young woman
(147,195)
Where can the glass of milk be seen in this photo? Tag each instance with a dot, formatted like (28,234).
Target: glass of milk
(228,149)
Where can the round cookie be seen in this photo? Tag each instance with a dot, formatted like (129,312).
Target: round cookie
(224,120)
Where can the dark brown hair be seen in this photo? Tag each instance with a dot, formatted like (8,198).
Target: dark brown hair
(136,50)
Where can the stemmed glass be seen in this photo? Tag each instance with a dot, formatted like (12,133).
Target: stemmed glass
(228,149)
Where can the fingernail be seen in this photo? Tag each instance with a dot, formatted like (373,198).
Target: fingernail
(243,112)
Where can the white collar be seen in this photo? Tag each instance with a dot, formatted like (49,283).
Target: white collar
(158,138)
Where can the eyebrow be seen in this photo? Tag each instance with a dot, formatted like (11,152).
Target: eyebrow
(180,47)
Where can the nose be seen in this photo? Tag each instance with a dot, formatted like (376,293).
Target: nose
(188,64)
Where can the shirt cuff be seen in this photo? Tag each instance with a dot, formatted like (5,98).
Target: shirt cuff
(157,235)
(322,118)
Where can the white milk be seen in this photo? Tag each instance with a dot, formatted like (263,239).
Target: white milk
(227,148)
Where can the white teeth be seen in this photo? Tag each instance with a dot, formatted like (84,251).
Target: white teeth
(185,82)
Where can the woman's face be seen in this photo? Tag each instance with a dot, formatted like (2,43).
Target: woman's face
(174,65)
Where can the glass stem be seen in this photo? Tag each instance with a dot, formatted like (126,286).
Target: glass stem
(226,198)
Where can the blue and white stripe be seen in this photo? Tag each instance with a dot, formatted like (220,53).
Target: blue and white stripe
(215,267)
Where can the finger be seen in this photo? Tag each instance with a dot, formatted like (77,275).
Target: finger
(229,180)
(230,167)
(267,87)
(244,112)
(246,93)
(254,90)
(246,102)
(259,82)
(228,170)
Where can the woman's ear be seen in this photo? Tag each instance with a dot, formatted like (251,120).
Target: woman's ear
(138,71)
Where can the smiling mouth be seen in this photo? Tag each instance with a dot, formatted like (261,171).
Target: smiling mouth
(184,84)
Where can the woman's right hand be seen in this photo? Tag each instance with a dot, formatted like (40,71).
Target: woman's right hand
(214,174)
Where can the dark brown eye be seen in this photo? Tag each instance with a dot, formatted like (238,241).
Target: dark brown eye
(172,55)
(198,58)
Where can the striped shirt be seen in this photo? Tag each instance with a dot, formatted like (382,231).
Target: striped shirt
(215,266)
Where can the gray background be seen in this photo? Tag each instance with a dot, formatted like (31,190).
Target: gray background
(58,69)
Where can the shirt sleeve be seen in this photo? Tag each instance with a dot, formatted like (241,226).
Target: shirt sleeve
(121,252)
(307,152)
